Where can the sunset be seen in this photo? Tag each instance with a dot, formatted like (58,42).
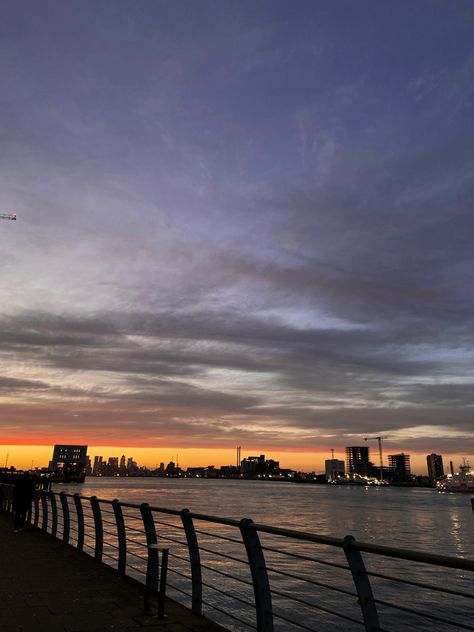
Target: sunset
(236,315)
(237,230)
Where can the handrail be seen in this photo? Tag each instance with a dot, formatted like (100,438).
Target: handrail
(366,547)
(53,513)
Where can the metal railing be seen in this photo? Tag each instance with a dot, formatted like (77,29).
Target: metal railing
(250,576)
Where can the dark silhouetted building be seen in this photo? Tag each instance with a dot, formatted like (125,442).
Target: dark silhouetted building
(97,469)
(357,460)
(399,465)
(69,463)
(258,466)
(435,466)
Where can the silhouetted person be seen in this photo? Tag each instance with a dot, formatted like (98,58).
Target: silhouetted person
(23,494)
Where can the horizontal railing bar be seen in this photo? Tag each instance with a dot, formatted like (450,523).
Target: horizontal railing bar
(135,568)
(135,541)
(311,581)
(174,587)
(89,524)
(420,613)
(405,554)
(299,625)
(312,605)
(228,614)
(110,556)
(415,556)
(114,524)
(230,522)
(173,570)
(220,537)
(237,579)
(448,591)
(167,524)
(129,528)
(299,535)
(305,557)
(227,594)
(179,557)
(229,557)
(111,533)
(112,546)
(138,518)
(166,537)
(140,557)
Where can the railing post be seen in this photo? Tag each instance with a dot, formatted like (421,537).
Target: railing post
(66,518)
(99,530)
(195,561)
(121,537)
(163,580)
(54,514)
(152,567)
(261,585)
(44,510)
(362,584)
(36,502)
(80,522)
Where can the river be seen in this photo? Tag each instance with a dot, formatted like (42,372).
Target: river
(411,518)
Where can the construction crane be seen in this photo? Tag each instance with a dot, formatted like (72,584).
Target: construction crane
(8,216)
(379,439)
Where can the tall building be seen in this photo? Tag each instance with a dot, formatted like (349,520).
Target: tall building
(88,466)
(357,460)
(435,466)
(113,465)
(97,469)
(334,469)
(69,462)
(399,465)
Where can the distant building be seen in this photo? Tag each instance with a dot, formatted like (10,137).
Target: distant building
(399,465)
(258,466)
(69,462)
(88,466)
(97,469)
(357,460)
(435,466)
(229,471)
(132,466)
(253,464)
(334,469)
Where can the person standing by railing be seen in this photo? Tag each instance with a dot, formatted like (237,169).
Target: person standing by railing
(23,494)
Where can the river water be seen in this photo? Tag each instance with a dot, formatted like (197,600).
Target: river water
(411,518)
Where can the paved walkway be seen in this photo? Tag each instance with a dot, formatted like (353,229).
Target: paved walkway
(46,586)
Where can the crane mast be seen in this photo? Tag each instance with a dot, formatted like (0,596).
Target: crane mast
(8,216)
(379,439)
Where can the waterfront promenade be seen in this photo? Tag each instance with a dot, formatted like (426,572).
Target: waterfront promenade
(46,586)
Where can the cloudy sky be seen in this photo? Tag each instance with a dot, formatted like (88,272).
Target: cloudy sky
(238,223)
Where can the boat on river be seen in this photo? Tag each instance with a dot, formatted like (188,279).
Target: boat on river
(462,482)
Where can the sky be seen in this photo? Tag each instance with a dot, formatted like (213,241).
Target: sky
(239,223)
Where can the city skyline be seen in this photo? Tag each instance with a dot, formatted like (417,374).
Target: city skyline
(237,224)
(21,457)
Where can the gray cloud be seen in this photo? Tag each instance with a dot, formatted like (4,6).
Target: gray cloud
(238,221)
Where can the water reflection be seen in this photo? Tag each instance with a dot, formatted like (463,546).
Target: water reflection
(406,518)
